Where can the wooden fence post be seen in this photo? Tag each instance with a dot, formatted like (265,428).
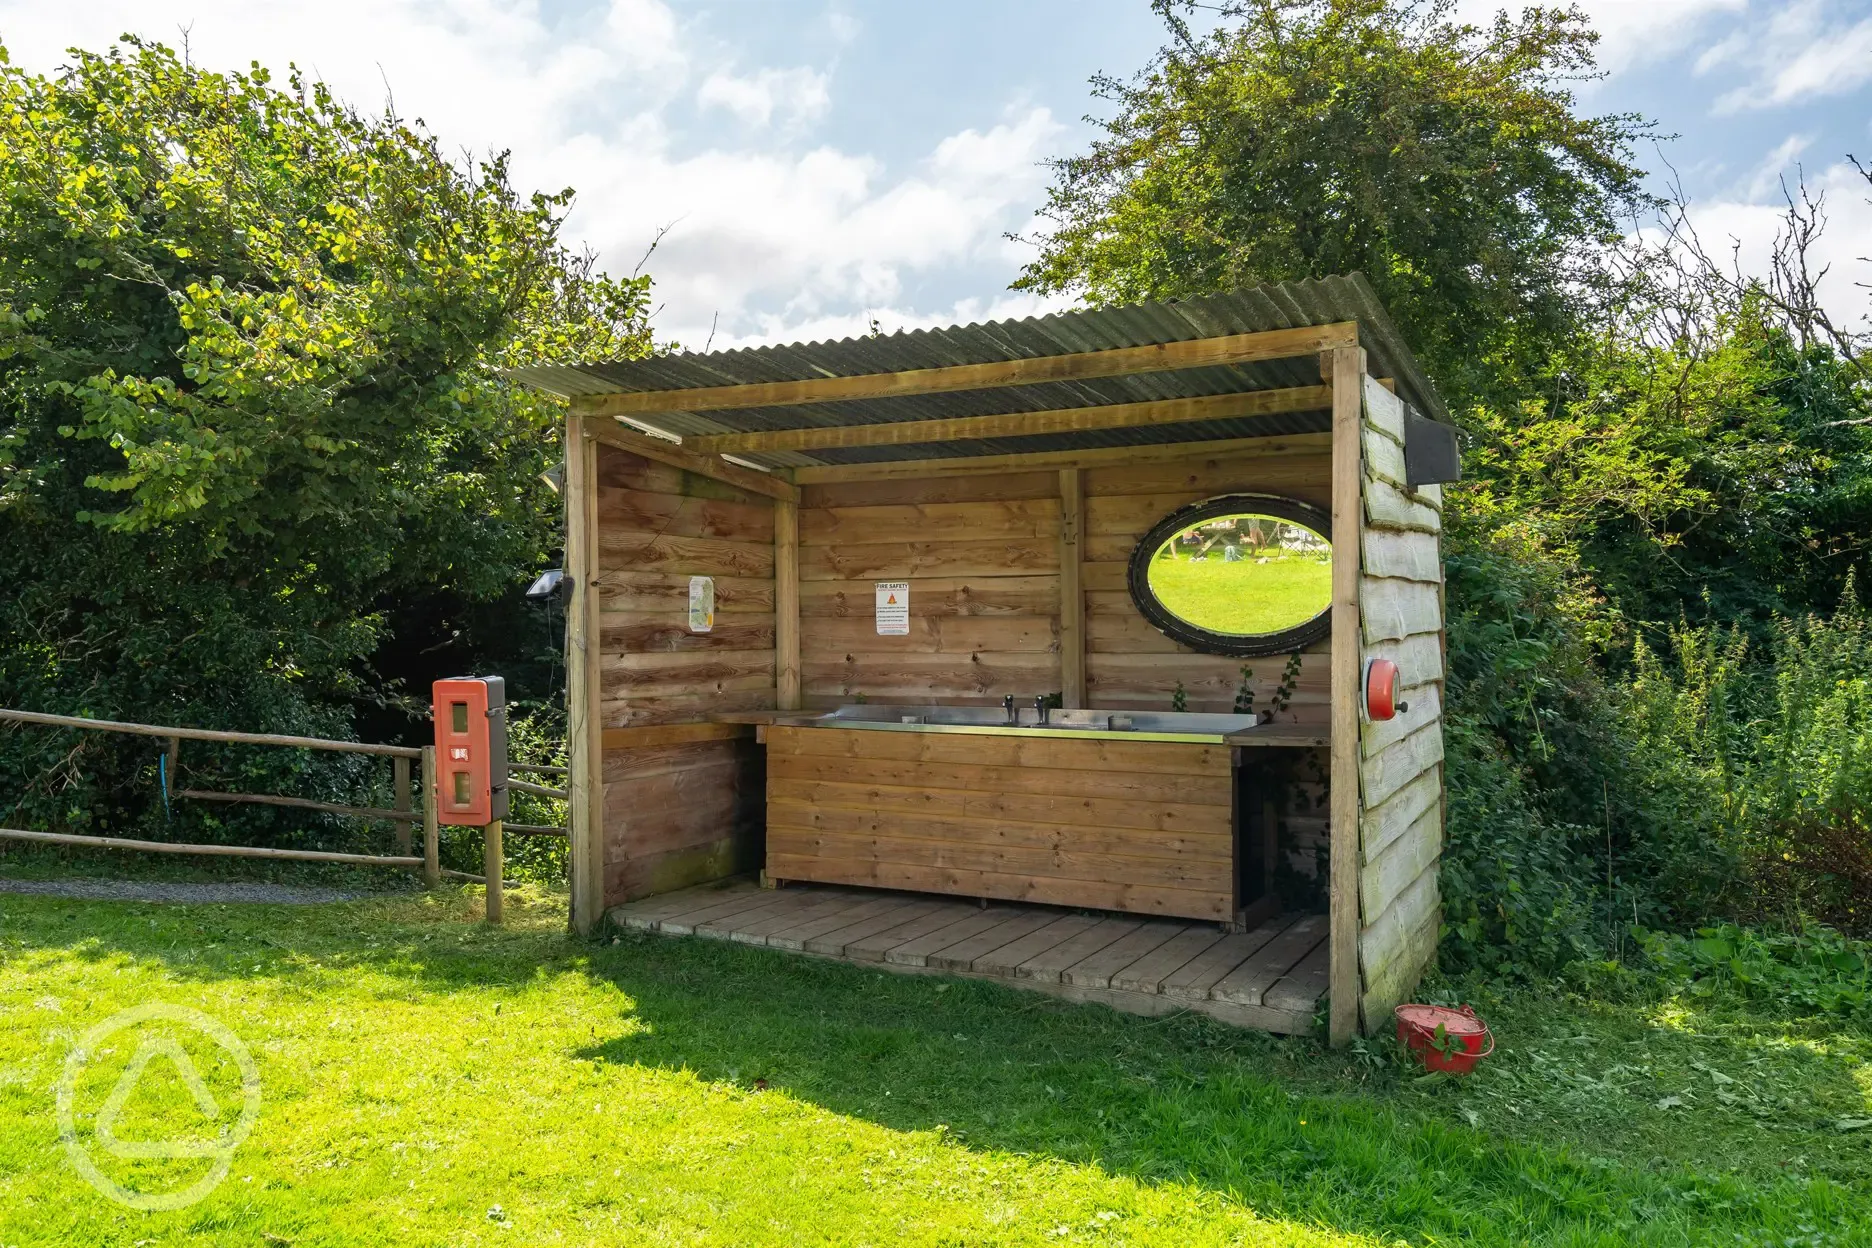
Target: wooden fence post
(400,769)
(491,867)
(432,828)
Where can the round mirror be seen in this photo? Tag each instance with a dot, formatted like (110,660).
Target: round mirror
(1242,574)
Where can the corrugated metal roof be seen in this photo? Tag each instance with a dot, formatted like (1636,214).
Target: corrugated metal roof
(1285,306)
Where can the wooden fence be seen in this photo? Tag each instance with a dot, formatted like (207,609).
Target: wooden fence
(403,814)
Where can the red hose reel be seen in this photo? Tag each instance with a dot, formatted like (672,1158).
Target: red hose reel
(1382,687)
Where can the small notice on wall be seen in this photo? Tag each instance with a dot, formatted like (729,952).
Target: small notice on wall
(701,604)
(893,608)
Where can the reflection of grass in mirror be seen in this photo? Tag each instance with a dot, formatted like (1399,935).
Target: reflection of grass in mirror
(1245,597)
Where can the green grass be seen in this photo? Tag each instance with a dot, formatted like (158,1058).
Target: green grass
(420,1070)
(1245,597)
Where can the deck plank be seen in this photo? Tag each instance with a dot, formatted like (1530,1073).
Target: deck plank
(961,955)
(795,938)
(1271,978)
(1149,971)
(1301,988)
(917,918)
(683,922)
(780,904)
(916,950)
(722,926)
(646,912)
(1047,967)
(1249,982)
(1193,980)
(815,905)
(1006,959)
(1096,971)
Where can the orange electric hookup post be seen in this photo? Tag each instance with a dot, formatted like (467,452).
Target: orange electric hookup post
(471,750)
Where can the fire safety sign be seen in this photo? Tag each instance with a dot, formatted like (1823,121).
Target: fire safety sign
(893,608)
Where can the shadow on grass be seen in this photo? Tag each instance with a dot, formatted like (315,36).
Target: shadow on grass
(1180,1099)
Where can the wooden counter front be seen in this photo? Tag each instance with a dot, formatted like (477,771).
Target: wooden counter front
(1140,826)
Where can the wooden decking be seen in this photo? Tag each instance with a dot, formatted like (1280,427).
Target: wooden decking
(1271,978)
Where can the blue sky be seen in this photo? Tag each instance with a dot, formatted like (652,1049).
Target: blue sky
(821,164)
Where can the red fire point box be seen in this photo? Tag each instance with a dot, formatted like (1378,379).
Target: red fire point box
(471,749)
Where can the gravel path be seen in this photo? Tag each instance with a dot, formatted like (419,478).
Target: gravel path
(197,894)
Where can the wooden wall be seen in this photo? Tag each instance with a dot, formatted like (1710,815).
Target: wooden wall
(677,814)
(1140,826)
(1401,773)
(982,554)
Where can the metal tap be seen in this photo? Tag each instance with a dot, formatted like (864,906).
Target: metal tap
(1040,709)
(1007,704)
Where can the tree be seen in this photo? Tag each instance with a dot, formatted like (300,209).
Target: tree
(250,397)
(1304,138)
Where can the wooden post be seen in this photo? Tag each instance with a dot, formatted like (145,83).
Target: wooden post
(1072,593)
(584,723)
(786,606)
(175,761)
(432,826)
(1348,370)
(400,772)
(491,868)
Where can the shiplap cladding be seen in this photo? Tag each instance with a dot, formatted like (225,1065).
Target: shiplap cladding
(1401,772)
(981,554)
(676,815)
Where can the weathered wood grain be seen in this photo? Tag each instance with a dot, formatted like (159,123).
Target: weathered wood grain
(1383,822)
(986,520)
(891,561)
(1389,770)
(1394,609)
(1397,868)
(1406,556)
(1387,507)
(1386,936)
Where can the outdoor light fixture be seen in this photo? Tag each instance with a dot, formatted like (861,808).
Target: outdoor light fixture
(546,588)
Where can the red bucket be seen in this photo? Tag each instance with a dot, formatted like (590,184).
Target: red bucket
(1464,1035)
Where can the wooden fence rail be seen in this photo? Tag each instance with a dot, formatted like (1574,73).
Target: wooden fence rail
(401,817)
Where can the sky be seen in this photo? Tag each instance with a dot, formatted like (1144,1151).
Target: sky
(813,167)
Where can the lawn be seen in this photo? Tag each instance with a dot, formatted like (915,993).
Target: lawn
(1244,597)
(428,1080)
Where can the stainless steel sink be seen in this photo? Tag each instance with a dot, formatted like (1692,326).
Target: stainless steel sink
(1132,725)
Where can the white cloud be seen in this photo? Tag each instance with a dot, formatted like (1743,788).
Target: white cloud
(1751,225)
(798,95)
(774,235)
(1631,32)
(1801,51)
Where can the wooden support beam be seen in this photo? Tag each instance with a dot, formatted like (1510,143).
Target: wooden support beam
(1271,344)
(1039,461)
(432,827)
(1016,424)
(584,754)
(1072,636)
(786,606)
(400,787)
(1348,370)
(644,735)
(611,433)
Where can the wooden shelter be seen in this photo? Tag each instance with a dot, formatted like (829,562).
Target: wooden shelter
(1005,474)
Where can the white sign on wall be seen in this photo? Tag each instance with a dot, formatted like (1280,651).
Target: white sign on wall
(893,608)
(701,604)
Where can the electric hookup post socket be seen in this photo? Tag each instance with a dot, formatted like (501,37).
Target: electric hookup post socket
(471,749)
